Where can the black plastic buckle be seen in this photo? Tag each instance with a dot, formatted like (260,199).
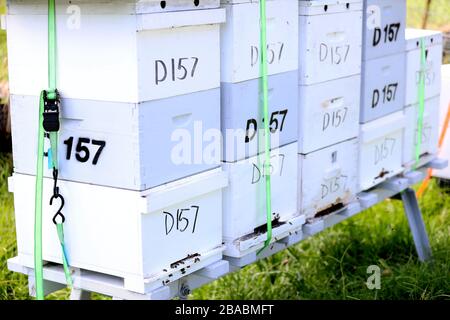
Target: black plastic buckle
(51,113)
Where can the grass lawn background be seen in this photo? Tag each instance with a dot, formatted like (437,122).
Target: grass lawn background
(330,265)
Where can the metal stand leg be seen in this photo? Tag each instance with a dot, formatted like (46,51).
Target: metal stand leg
(416,224)
(78,294)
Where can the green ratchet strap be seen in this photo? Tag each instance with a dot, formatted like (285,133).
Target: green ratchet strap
(48,122)
(264,78)
(38,272)
(60,230)
(421,97)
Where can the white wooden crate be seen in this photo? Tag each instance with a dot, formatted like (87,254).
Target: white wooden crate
(240,40)
(381,150)
(328,178)
(444,151)
(330,40)
(242,118)
(383,28)
(383,86)
(244,204)
(433,47)
(138,236)
(143,142)
(328,113)
(113,53)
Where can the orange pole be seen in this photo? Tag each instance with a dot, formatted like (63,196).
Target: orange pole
(426,14)
(426,181)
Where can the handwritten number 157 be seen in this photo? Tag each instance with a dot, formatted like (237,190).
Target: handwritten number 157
(181,220)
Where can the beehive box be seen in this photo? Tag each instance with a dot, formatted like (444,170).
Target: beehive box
(383,87)
(161,54)
(381,150)
(384,26)
(330,40)
(430,131)
(240,39)
(444,151)
(328,113)
(244,204)
(328,178)
(433,50)
(124,145)
(138,236)
(242,118)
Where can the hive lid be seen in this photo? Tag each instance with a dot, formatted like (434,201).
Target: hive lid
(319,7)
(39,7)
(383,126)
(431,37)
(180,19)
(242,1)
(172,193)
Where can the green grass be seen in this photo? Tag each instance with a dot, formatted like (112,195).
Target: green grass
(12,285)
(330,265)
(3,53)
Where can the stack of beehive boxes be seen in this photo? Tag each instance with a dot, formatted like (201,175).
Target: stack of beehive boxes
(383,91)
(162,109)
(329,75)
(137,79)
(428,147)
(244,204)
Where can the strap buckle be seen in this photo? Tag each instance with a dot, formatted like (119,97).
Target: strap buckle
(51,112)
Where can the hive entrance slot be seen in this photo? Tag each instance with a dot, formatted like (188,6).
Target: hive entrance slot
(329,210)
(263,229)
(182,261)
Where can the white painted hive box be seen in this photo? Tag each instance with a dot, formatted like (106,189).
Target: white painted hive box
(244,200)
(124,145)
(242,118)
(136,236)
(383,86)
(328,178)
(330,40)
(430,131)
(433,50)
(152,54)
(444,151)
(328,113)
(381,150)
(383,28)
(240,39)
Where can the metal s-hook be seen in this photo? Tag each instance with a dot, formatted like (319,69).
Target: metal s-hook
(59,212)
